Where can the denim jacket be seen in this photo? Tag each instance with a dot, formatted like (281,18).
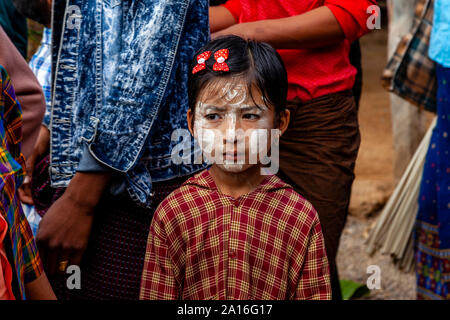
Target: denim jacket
(119,87)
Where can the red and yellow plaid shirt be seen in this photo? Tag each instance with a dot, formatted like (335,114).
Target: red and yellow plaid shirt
(265,245)
(26,261)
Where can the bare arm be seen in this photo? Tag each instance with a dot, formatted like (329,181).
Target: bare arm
(314,29)
(39,289)
(220,18)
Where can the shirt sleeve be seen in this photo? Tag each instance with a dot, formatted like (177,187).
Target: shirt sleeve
(314,282)
(234,6)
(352,16)
(27,262)
(159,275)
(32,261)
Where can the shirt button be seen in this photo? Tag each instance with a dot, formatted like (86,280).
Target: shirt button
(232,254)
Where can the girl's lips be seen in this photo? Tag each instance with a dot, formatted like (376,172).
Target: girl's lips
(233,156)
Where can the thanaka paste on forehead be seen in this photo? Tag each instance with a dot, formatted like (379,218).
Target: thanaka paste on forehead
(232,91)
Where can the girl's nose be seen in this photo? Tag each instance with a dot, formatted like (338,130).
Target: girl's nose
(231,122)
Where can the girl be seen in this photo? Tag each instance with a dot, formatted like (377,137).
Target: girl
(234,231)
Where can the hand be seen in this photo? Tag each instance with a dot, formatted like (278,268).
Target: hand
(63,233)
(65,229)
(41,147)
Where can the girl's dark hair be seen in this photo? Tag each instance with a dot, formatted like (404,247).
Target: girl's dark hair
(256,63)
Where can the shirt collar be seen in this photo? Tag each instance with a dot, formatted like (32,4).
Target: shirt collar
(269,184)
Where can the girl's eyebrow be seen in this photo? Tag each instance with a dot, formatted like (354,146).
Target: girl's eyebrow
(207,108)
(251,107)
(245,108)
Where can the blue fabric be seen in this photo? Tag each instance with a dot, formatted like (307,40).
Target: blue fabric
(41,65)
(439,44)
(32,216)
(434,199)
(119,86)
(432,234)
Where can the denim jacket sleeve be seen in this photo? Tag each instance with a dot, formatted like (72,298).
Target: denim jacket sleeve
(114,66)
(149,47)
(89,164)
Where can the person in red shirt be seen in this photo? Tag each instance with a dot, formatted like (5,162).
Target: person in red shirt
(319,149)
(236,230)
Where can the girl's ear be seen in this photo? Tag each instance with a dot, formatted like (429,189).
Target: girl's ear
(285,117)
(190,121)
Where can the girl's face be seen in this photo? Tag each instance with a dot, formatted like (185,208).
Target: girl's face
(232,126)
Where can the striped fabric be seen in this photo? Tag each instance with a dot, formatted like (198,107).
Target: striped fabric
(267,244)
(41,65)
(27,263)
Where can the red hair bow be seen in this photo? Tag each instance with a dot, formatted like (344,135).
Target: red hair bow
(221,56)
(201,60)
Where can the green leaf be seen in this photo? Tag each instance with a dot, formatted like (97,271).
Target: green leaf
(353,290)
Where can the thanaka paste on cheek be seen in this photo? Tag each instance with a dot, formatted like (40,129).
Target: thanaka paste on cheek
(210,134)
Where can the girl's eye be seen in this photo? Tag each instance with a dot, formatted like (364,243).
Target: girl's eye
(251,116)
(212,116)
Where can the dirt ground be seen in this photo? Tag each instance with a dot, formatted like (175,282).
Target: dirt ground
(374,180)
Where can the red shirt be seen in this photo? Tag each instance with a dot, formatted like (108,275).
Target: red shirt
(312,72)
(266,244)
